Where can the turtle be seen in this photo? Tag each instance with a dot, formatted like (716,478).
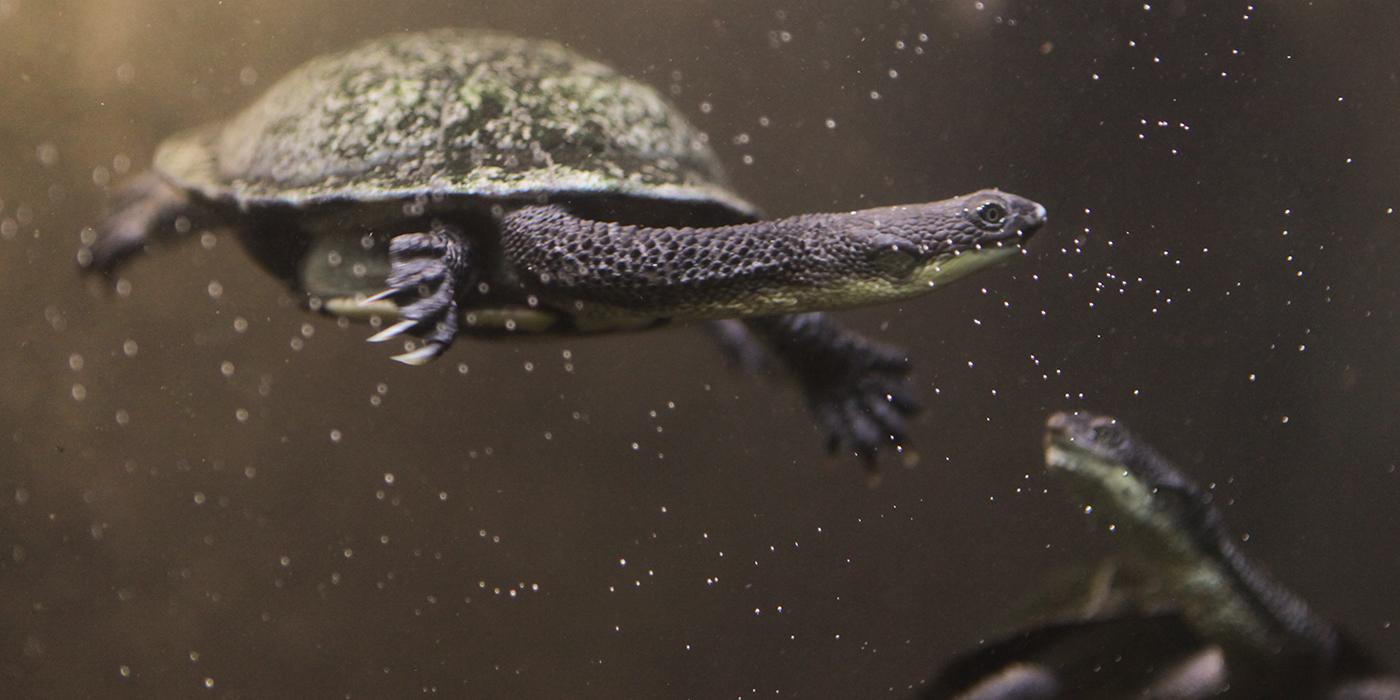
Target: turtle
(1181,612)
(466,182)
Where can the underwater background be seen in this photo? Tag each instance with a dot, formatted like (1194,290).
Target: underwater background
(206,489)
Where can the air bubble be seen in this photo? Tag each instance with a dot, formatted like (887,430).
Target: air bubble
(47,153)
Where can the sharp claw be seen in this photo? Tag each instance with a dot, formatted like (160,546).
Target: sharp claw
(901,399)
(890,420)
(380,296)
(863,434)
(393,331)
(421,356)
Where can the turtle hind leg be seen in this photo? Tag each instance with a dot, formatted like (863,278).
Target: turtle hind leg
(857,388)
(437,266)
(147,210)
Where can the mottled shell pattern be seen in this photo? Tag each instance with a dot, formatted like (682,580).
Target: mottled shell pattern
(455,113)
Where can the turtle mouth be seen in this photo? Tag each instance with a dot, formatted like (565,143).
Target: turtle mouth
(1023,224)
(1070,452)
(1057,432)
(1020,226)
(1030,222)
(1062,454)
(1068,438)
(943,269)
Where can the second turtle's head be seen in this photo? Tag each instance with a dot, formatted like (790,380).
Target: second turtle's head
(1123,478)
(1101,437)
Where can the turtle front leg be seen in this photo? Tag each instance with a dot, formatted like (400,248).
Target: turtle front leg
(855,386)
(739,344)
(147,210)
(437,266)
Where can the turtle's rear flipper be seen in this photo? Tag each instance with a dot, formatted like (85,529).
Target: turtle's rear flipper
(146,210)
(856,387)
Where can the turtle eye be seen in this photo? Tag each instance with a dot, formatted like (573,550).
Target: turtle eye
(1108,434)
(992,213)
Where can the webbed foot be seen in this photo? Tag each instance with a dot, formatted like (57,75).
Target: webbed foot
(436,267)
(857,388)
(866,405)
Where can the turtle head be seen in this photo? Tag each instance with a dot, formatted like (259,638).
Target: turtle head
(920,246)
(990,217)
(1094,436)
(1125,479)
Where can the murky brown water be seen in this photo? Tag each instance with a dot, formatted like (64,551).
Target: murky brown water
(205,489)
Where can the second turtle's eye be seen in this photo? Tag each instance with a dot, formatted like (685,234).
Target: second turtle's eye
(1108,435)
(991,213)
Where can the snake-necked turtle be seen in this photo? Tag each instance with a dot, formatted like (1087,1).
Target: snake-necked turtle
(464,182)
(1197,619)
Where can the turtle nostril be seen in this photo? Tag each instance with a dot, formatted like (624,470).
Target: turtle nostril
(1031,221)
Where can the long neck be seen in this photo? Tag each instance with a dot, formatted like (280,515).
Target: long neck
(1251,613)
(791,265)
(1301,630)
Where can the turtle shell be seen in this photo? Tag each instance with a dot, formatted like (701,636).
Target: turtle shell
(456,113)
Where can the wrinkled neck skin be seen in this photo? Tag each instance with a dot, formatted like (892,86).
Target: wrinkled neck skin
(802,263)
